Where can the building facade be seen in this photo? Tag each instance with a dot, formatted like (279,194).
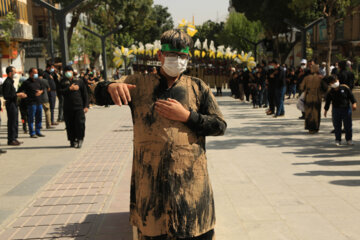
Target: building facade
(13,54)
(346,37)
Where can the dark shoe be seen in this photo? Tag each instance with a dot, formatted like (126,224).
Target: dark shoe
(302,117)
(13,143)
(72,144)
(19,141)
(50,127)
(54,123)
(2,151)
(333,131)
(79,144)
(40,135)
(34,136)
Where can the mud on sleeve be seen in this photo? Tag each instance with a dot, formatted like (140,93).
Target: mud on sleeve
(102,96)
(208,121)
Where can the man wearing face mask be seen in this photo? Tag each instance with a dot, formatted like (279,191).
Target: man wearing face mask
(171,194)
(49,76)
(344,102)
(11,96)
(76,104)
(33,89)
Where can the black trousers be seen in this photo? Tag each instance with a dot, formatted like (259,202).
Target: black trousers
(13,120)
(52,101)
(207,236)
(61,107)
(272,97)
(75,124)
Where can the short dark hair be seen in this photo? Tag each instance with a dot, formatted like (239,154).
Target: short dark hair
(342,65)
(40,72)
(49,65)
(177,39)
(31,70)
(331,78)
(9,69)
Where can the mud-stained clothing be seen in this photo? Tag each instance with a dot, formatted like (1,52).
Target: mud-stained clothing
(171,193)
(314,88)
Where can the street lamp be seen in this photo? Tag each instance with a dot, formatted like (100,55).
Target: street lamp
(255,45)
(60,15)
(103,39)
(303,32)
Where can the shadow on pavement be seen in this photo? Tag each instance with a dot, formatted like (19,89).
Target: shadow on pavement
(34,148)
(348,183)
(111,226)
(290,134)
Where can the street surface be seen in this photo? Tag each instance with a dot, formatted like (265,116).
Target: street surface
(271,180)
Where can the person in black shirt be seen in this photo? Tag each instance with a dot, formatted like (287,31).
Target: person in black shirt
(291,78)
(49,76)
(345,76)
(76,104)
(340,96)
(33,89)
(11,96)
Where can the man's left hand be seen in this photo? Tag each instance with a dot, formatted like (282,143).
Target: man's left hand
(172,110)
(86,110)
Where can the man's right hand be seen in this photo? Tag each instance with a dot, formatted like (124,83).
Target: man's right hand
(39,92)
(21,95)
(120,93)
(74,87)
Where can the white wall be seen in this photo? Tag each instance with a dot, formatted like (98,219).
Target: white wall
(31,62)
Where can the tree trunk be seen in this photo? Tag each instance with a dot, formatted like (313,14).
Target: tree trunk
(74,21)
(329,25)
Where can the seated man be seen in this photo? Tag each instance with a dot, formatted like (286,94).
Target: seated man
(171,194)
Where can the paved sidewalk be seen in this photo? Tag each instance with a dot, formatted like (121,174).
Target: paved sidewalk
(271,180)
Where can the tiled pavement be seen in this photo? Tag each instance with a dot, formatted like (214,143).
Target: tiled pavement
(271,181)
(76,202)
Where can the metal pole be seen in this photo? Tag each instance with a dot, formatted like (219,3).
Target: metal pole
(60,16)
(303,43)
(63,41)
(103,39)
(51,38)
(103,45)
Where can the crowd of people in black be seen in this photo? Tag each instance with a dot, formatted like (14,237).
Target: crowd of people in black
(38,92)
(269,84)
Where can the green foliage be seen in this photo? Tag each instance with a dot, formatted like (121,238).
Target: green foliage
(271,13)
(238,29)
(210,30)
(85,43)
(309,50)
(7,25)
(162,22)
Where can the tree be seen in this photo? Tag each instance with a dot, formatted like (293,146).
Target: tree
(7,25)
(162,22)
(331,10)
(210,30)
(238,30)
(271,14)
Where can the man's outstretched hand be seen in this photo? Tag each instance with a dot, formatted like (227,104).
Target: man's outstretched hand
(172,110)
(120,93)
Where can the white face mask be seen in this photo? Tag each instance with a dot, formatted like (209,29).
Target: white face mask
(303,67)
(174,66)
(335,85)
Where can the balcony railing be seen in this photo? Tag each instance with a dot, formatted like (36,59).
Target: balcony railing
(17,7)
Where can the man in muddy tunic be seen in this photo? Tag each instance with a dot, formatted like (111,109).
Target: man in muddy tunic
(171,194)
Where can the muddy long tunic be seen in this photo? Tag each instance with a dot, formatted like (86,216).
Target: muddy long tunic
(314,88)
(170,188)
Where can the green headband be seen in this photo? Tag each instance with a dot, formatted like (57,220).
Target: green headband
(168,48)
